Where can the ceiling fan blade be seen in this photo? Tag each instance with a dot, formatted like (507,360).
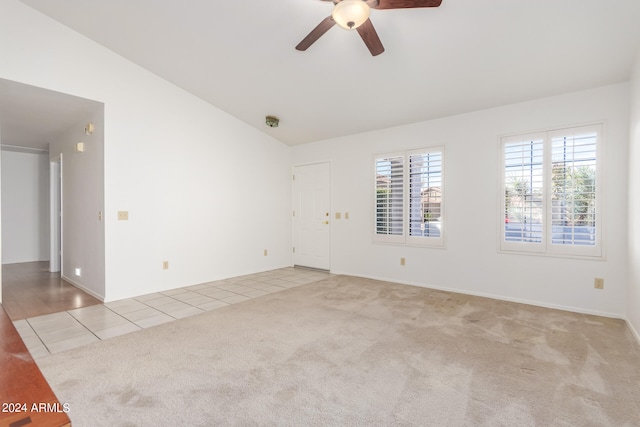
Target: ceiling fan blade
(406,4)
(316,33)
(370,38)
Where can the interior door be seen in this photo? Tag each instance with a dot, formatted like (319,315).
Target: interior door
(311,216)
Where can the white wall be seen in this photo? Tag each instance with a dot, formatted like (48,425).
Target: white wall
(25,203)
(82,188)
(470,262)
(204,191)
(633,296)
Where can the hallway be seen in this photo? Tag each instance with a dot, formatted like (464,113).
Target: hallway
(29,290)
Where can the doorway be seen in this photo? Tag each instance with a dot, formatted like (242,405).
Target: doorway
(31,283)
(312,216)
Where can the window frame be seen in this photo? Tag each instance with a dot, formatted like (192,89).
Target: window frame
(546,247)
(405,238)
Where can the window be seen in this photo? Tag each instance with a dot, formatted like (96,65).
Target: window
(550,192)
(409,197)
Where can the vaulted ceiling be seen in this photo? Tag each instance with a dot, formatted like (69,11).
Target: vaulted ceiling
(462,56)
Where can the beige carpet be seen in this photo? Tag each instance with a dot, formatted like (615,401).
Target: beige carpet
(351,351)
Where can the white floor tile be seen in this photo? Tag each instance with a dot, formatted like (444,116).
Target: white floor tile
(134,316)
(39,352)
(104,323)
(239,289)
(160,301)
(235,299)
(198,287)
(183,295)
(172,306)
(221,294)
(53,323)
(255,293)
(172,292)
(69,343)
(155,320)
(215,304)
(185,312)
(32,342)
(92,310)
(198,299)
(48,318)
(271,289)
(116,331)
(150,297)
(64,333)
(25,330)
(57,332)
(131,306)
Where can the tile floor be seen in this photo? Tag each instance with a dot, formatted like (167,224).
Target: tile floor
(53,333)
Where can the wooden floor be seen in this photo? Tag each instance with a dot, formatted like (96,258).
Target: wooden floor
(29,290)
(26,396)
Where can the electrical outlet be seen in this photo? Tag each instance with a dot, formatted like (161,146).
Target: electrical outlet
(165,265)
(338,215)
(403,261)
(123,215)
(346,215)
(598,283)
(266,252)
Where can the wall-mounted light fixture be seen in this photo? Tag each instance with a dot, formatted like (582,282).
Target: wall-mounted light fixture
(88,129)
(272,121)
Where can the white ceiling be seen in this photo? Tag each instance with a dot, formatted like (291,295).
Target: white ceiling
(463,56)
(31,116)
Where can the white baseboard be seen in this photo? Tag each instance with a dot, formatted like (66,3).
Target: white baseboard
(81,287)
(633,330)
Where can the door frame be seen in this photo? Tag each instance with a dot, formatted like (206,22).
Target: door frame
(55,214)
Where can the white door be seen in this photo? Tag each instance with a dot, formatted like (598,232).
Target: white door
(311,216)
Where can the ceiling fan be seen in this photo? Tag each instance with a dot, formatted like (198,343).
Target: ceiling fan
(354,15)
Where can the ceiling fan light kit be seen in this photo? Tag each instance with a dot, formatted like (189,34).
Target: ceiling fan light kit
(354,14)
(350,14)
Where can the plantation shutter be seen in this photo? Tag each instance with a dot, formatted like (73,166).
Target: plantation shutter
(551,192)
(425,194)
(523,190)
(389,196)
(523,193)
(573,205)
